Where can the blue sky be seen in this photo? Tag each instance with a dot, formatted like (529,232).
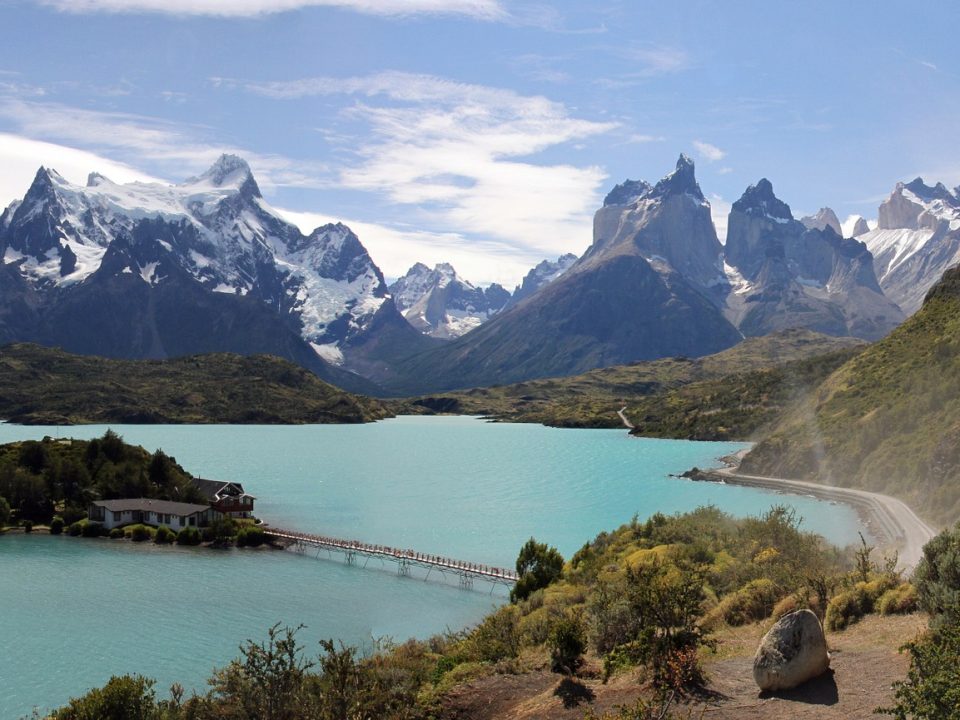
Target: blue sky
(483,132)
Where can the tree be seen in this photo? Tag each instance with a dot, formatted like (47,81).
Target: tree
(937,578)
(4,511)
(567,646)
(128,697)
(537,566)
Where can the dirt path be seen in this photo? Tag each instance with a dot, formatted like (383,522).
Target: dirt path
(887,517)
(622,413)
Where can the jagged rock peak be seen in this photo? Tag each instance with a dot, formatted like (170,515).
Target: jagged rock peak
(229,170)
(825,218)
(627,192)
(682,180)
(938,192)
(860,227)
(760,200)
(95,178)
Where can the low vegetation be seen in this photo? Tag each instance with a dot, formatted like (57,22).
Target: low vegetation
(645,599)
(729,395)
(887,420)
(47,386)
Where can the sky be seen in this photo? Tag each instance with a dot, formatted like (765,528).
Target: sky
(484,133)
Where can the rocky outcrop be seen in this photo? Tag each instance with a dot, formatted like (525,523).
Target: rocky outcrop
(825,218)
(783,274)
(543,274)
(792,652)
(860,227)
(917,238)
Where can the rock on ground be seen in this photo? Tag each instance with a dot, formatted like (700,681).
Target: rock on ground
(792,652)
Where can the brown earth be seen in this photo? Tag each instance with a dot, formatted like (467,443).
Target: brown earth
(865,662)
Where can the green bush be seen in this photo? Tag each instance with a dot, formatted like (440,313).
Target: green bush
(129,697)
(76,528)
(188,536)
(4,511)
(931,690)
(899,600)
(164,535)
(138,533)
(56,525)
(537,566)
(937,578)
(27,526)
(92,529)
(567,645)
(754,601)
(250,536)
(116,533)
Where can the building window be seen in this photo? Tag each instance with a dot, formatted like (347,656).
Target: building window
(116,517)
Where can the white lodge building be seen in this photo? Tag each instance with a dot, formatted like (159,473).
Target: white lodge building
(175,515)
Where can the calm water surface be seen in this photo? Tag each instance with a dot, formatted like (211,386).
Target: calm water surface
(73,612)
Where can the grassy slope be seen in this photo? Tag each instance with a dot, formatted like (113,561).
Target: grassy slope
(646,388)
(888,420)
(43,385)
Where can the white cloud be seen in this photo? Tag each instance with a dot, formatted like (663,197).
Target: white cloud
(459,154)
(639,138)
(179,150)
(21,157)
(396,249)
(710,153)
(719,211)
(479,9)
(725,171)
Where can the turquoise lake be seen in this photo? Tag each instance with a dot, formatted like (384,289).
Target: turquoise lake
(73,611)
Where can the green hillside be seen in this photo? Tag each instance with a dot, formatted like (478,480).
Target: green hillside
(666,392)
(40,385)
(888,420)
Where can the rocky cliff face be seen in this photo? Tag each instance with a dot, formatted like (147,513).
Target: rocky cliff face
(785,273)
(917,238)
(540,276)
(825,218)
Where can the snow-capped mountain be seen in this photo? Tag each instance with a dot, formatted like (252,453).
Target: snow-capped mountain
(442,304)
(215,231)
(787,273)
(855,226)
(916,239)
(541,275)
(636,294)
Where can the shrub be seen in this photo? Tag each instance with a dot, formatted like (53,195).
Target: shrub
(754,601)
(496,638)
(56,525)
(188,536)
(567,645)
(116,533)
(937,578)
(92,529)
(844,609)
(164,535)
(786,606)
(932,687)
(4,511)
(128,697)
(899,600)
(139,533)
(250,536)
(76,528)
(27,526)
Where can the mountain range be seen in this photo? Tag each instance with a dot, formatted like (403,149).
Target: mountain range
(144,270)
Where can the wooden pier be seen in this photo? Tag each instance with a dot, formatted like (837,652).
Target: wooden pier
(466,572)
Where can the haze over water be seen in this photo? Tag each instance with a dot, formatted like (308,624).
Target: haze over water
(446,485)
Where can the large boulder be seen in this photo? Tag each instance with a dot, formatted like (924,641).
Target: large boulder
(792,652)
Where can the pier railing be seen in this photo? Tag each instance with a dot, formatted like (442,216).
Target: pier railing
(467,572)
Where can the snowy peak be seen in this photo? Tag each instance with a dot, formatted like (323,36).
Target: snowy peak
(916,206)
(626,193)
(824,218)
(760,201)
(442,304)
(682,180)
(545,272)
